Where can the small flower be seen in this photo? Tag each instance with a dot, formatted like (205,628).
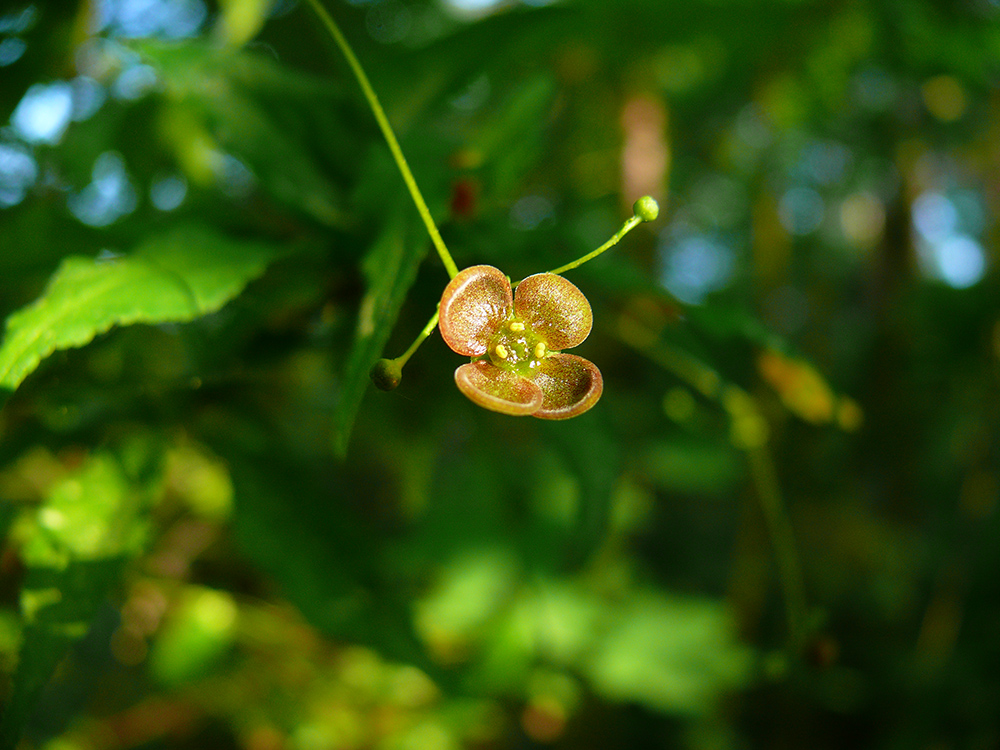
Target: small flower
(515,340)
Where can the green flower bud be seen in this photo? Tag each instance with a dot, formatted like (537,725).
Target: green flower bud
(386,374)
(646,208)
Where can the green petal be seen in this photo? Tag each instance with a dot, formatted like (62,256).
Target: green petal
(473,306)
(570,385)
(498,390)
(553,309)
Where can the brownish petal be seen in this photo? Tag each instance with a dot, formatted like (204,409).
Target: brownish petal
(473,306)
(553,309)
(570,385)
(498,390)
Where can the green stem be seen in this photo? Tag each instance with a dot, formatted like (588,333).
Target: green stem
(765,480)
(390,136)
(627,227)
(428,329)
(783,541)
(644,209)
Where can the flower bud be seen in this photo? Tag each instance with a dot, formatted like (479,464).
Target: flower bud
(386,374)
(646,208)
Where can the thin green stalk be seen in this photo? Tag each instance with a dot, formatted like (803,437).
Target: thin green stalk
(428,330)
(779,528)
(627,227)
(387,374)
(390,136)
(782,539)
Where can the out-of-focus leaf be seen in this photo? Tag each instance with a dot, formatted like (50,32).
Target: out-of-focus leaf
(390,268)
(512,140)
(685,465)
(62,603)
(225,90)
(322,558)
(184,274)
(197,634)
(670,654)
(240,20)
(805,392)
(472,588)
(92,522)
(725,322)
(594,460)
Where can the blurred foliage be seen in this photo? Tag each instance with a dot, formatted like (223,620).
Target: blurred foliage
(778,527)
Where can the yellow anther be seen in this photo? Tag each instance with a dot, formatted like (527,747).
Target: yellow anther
(539,350)
(517,326)
(501,351)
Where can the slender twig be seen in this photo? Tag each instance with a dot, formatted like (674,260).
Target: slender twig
(390,136)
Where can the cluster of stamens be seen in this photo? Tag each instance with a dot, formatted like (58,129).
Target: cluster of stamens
(515,348)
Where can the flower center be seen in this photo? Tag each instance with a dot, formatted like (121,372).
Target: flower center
(517,349)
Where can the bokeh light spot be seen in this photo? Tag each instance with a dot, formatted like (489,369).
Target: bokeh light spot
(960,260)
(134,82)
(934,216)
(862,218)
(88,97)
(530,211)
(109,196)
(944,98)
(11,50)
(19,21)
(167,193)
(694,267)
(171,19)
(18,172)
(44,112)
(801,210)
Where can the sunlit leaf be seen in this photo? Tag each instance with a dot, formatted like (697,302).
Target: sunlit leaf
(92,522)
(186,273)
(197,634)
(670,654)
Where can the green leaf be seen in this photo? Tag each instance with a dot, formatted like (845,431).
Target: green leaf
(260,111)
(187,273)
(64,602)
(326,562)
(195,637)
(390,268)
(91,523)
(688,465)
(672,654)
